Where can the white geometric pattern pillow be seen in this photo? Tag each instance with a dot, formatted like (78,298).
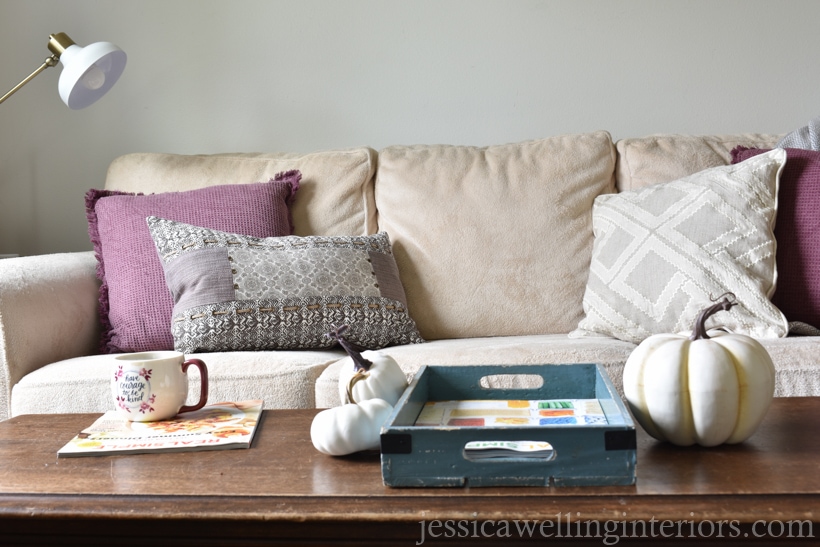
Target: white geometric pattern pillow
(662,252)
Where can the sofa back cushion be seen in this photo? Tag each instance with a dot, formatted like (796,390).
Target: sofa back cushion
(496,240)
(663,158)
(335,194)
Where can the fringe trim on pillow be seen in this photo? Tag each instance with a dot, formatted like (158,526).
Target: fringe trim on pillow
(103,306)
(293,178)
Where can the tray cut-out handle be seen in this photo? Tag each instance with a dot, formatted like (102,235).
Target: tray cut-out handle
(504,451)
(512,381)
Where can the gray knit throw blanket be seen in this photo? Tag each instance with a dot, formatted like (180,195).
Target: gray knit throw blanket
(807,137)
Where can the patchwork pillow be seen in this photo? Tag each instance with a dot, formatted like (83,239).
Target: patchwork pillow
(237,292)
(663,252)
(798,239)
(135,306)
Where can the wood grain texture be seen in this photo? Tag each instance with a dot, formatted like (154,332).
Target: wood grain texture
(283,491)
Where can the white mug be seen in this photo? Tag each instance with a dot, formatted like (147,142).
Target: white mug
(153,385)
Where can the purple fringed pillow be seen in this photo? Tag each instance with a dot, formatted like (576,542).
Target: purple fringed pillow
(798,239)
(135,304)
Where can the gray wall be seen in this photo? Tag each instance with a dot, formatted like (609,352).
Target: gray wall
(210,76)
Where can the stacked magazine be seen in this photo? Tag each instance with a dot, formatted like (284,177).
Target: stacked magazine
(213,427)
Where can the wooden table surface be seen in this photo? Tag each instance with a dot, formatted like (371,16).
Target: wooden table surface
(282,491)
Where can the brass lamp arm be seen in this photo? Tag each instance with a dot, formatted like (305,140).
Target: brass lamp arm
(49,62)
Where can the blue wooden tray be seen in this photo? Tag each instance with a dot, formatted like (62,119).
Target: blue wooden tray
(582,455)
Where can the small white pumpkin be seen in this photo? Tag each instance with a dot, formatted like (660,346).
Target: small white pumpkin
(350,428)
(368,374)
(700,389)
(383,379)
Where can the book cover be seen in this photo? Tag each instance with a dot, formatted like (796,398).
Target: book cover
(218,426)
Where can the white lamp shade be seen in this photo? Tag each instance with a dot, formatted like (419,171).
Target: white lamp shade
(89,72)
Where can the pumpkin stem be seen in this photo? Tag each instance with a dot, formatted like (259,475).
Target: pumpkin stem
(699,329)
(359,362)
(358,377)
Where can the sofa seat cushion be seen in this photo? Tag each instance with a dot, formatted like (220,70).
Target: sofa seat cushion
(503,350)
(795,359)
(283,379)
(796,363)
(494,241)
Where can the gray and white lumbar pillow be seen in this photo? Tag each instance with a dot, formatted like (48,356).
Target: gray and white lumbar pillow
(236,292)
(663,251)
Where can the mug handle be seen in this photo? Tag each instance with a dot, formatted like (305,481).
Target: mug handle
(203,391)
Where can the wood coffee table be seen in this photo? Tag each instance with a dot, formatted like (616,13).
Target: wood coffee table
(281,491)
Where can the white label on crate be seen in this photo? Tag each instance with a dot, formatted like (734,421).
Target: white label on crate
(479,450)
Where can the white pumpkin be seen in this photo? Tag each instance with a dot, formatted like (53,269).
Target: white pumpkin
(368,374)
(707,388)
(384,379)
(350,428)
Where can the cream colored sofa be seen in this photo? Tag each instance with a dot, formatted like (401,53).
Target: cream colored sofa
(493,247)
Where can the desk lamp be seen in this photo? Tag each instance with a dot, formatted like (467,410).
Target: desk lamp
(88,72)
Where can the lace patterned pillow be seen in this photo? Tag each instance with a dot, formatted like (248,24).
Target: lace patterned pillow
(235,292)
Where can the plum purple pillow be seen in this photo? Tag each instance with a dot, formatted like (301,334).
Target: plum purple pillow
(796,231)
(135,305)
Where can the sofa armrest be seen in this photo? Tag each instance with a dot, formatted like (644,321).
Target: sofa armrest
(48,312)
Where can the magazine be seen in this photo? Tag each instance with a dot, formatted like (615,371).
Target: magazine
(491,412)
(218,426)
